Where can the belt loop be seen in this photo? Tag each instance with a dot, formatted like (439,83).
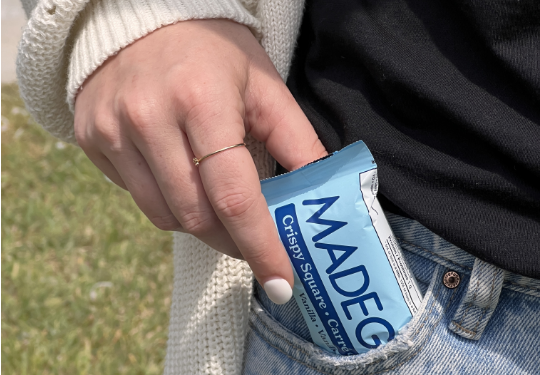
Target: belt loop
(479,302)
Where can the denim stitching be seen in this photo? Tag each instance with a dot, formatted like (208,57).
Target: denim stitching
(522,286)
(421,346)
(485,310)
(437,255)
(371,364)
(419,349)
(469,268)
(287,355)
(415,333)
(474,331)
(302,350)
(470,304)
(458,326)
(428,314)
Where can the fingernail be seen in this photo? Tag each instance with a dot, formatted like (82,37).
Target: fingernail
(278,290)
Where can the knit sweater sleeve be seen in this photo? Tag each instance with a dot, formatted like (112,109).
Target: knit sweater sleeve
(64,41)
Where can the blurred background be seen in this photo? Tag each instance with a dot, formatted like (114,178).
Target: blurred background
(86,279)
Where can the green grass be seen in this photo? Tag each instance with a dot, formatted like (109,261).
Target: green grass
(86,279)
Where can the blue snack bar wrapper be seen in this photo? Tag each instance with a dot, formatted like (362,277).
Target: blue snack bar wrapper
(351,282)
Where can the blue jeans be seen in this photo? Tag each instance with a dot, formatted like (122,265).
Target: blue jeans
(488,324)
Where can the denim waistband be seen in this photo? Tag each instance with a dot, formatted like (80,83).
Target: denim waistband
(416,238)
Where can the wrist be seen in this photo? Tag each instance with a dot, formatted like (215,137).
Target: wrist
(107,27)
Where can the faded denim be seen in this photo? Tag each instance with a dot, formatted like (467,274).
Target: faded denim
(489,324)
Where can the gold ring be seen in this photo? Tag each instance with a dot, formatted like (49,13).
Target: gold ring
(198,161)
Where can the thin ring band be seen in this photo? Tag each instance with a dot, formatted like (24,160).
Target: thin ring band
(198,161)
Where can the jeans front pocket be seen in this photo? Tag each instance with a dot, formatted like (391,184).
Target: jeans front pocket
(273,349)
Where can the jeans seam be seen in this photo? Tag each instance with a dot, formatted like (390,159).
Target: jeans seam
(373,363)
(484,313)
(421,346)
(431,252)
(471,303)
(288,355)
(467,267)
(428,314)
(486,309)
(522,286)
(458,326)
(282,337)
(415,333)
(474,330)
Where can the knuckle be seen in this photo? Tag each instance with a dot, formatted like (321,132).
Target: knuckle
(259,256)
(102,133)
(197,223)
(166,223)
(106,128)
(205,116)
(192,95)
(140,113)
(194,90)
(81,137)
(235,203)
(198,104)
(201,102)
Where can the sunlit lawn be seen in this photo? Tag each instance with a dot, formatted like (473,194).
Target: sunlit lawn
(86,279)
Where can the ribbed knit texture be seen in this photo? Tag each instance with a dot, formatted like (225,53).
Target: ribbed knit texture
(108,26)
(208,321)
(280,24)
(211,299)
(63,43)
(42,64)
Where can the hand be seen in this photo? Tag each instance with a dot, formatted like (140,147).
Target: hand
(187,90)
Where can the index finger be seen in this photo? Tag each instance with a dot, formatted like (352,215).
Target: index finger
(231,182)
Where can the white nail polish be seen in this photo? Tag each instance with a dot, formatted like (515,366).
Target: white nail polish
(278,290)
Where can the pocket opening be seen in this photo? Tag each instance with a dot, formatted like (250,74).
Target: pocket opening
(407,343)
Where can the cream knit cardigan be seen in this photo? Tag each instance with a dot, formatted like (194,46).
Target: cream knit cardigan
(62,44)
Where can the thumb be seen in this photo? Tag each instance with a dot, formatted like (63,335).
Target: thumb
(282,125)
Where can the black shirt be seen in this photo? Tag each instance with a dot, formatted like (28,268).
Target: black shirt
(446,94)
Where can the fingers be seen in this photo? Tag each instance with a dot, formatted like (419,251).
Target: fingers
(277,120)
(108,169)
(120,159)
(143,187)
(232,185)
(100,136)
(167,154)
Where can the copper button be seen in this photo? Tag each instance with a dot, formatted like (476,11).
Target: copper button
(451,279)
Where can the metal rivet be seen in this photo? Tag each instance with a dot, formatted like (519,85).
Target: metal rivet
(451,279)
